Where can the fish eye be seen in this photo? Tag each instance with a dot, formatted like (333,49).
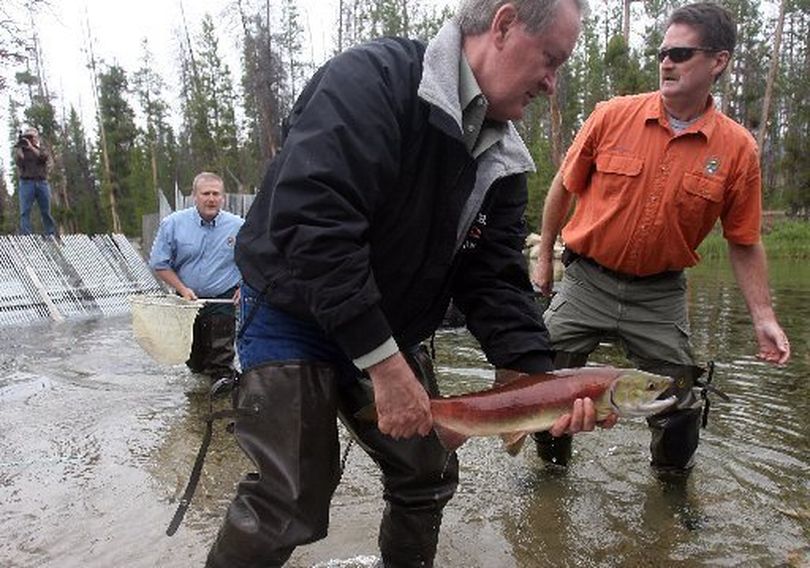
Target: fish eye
(650,386)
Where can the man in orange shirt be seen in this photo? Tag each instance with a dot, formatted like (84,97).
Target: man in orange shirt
(651,175)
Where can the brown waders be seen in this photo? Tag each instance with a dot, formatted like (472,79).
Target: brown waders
(286,424)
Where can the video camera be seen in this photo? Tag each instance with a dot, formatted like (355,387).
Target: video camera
(23,140)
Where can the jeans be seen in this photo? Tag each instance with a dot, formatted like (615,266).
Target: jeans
(35,190)
(268,334)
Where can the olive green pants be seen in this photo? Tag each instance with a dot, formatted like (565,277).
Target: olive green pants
(648,318)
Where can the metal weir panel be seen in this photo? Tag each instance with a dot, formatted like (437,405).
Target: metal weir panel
(43,278)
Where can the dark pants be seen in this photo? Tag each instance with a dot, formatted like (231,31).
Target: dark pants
(287,425)
(212,349)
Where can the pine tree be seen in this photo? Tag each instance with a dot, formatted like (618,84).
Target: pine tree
(128,185)
(157,137)
(86,212)
(209,125)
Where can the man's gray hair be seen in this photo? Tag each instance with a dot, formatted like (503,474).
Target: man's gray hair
(475,16)
(206,177)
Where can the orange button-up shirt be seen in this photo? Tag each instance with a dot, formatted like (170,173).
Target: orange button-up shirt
(646,197)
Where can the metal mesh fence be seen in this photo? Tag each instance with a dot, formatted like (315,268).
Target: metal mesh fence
(43,278)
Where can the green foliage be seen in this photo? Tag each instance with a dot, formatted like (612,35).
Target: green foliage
(786,239)
(789,239)
(128,180)
(233,127)
(8,207)
(209,131)
(156,140)
(623,71)
(85,212)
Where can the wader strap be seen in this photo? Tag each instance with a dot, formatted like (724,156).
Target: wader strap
(706,388)
(222,385)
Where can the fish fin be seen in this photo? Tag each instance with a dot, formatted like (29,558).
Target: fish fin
(506,376)
(513,441)
(367,414)
(450,439)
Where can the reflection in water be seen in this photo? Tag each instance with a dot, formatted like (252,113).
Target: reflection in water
(97,443)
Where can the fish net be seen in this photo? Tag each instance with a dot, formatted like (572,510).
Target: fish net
(164,326)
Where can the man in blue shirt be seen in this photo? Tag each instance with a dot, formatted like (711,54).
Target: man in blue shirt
(193,253)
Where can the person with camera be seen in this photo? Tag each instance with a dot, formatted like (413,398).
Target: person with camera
(33,160)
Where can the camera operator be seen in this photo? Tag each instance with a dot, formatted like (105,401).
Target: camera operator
(32,161)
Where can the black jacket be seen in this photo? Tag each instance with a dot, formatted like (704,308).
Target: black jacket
(365,220)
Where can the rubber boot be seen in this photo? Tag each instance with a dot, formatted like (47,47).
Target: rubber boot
(286,424)
(676,433)
(557,451)
(419,477)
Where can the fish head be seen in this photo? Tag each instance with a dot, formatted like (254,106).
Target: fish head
(635,393)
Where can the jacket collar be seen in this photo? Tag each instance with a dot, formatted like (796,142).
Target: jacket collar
(439,88)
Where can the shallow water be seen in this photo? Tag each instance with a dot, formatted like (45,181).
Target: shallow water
(97,442)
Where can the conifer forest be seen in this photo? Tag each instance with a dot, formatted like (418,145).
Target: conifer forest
(151,133)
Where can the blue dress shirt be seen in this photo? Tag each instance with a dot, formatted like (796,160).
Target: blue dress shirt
(200,252)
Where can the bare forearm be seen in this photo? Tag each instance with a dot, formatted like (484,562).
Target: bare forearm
(751,272)
(555,211)
(170,277)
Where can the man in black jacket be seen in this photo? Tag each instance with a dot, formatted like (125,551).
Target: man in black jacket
(401,184)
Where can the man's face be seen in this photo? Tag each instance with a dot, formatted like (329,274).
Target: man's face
(690,81)
(209,198)
(526,64)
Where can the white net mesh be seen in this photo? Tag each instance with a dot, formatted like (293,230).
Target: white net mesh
(164,326)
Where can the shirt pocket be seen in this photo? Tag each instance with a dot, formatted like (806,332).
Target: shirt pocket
(618,173)
(701,197)
(187,249)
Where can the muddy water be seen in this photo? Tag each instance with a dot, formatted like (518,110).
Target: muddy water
(96,442)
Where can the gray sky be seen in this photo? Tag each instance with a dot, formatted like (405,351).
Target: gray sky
(118,28)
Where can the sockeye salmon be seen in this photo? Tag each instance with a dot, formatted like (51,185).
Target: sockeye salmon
(532,403)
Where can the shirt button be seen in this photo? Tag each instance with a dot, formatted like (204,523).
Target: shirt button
(470,128)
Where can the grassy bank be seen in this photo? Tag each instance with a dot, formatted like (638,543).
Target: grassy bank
(785,239)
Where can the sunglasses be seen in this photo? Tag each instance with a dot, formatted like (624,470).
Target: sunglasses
(681,54)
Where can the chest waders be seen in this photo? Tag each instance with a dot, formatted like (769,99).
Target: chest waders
(286,423)
(212,349)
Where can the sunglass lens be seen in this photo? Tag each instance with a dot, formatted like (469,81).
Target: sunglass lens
(676,54)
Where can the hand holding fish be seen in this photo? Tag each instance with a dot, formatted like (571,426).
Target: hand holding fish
(583,418)
(568,400)
(402,405)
